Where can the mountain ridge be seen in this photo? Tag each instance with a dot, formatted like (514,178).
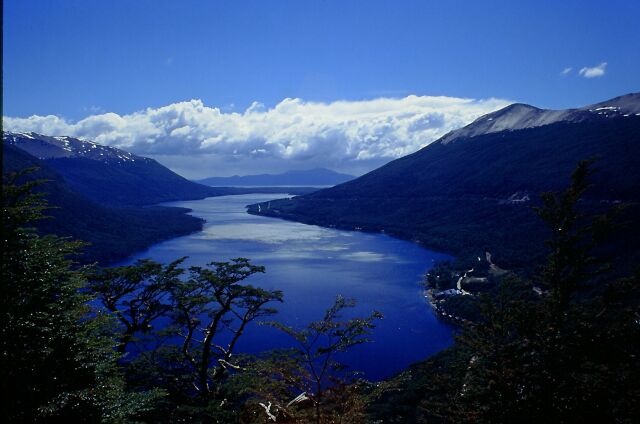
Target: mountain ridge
(108,175)
(475,194)
(315,176)
(113,233)
(520,116)
(107,196)
(53,147)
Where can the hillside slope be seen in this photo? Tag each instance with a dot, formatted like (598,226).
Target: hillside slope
(473,192)
(114,233)
(108,175)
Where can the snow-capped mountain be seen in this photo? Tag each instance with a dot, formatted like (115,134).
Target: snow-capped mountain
(471,191)
(46,147)
(107,175)
(520,116)
(113,233)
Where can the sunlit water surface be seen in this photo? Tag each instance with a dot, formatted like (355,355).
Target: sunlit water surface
(312,265)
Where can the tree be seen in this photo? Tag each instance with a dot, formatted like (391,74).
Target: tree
(57,358)
(568,355)
(441,276)
(136,295)
(573,238)
(310,373)
(212,305)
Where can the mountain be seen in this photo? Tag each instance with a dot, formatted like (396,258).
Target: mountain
(311,177)
(98,192)
(113,233)
(520,116)
(108,175)
(472,190)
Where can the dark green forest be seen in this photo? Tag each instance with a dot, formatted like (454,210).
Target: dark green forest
(567,353)
(113,207)
(475,194)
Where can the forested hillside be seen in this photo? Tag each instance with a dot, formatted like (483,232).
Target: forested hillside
(108,175)
(565,353)
(113,233)
(470,195)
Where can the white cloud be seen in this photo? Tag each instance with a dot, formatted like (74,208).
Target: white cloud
(596,71)
(341,135)
(566,71)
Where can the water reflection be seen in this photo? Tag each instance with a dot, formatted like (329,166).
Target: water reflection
(312,265)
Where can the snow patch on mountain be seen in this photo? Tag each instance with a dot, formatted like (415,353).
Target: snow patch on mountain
(46,147)
(520,116)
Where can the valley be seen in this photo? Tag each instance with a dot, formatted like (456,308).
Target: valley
(474,193)
(473,190)
(312,265)
(320,212)
(107,197)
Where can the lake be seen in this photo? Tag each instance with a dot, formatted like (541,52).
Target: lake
(312,265)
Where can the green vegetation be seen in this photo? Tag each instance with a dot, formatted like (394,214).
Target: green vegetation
(111,233)
(314,371)
(162,346)
(569,354)
(57,359)
(100,203)
(465,197)
(66,360)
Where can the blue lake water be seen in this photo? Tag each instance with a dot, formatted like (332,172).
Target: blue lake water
(312,265)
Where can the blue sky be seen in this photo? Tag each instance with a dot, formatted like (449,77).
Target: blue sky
(75,59)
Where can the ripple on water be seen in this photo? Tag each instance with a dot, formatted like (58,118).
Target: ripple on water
(312,265)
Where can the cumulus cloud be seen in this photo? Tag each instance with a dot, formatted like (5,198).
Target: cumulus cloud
(338,134)
(596,71)
(566,71)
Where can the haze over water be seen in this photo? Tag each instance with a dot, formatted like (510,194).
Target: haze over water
(312,265)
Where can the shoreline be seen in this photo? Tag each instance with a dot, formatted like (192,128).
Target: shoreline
(441,313)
